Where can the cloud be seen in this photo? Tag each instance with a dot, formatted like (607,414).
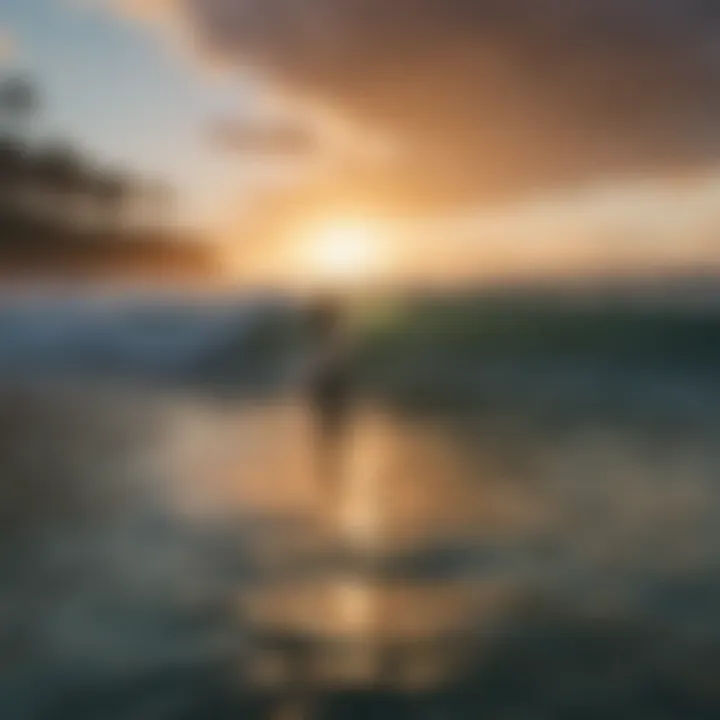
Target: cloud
(140,9)
(8,47)
(484,98)
(260,138)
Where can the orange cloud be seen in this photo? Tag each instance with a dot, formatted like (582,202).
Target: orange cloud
(485,98)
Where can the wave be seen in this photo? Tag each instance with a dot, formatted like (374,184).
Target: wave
(150,335)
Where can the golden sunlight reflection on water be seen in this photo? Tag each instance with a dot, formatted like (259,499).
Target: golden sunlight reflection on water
(499,548)
(403,487)
(399,481)
(435,535)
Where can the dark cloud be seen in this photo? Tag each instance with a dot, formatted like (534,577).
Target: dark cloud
(494,96)
(262,139)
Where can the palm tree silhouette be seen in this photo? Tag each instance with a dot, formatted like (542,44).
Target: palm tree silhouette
(13,169)
(56,202)
(114,192)
(19,102)
(59,177)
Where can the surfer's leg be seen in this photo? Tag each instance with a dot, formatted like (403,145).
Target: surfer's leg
(331,423)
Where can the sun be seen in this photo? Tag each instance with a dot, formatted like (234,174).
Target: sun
(341,251)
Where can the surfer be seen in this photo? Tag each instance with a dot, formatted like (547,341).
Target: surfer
(329,382)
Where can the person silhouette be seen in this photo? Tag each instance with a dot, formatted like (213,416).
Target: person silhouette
(329,384)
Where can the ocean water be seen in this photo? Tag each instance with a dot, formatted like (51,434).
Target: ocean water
(549,551)
(149,336)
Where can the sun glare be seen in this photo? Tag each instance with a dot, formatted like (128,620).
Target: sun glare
(341,251)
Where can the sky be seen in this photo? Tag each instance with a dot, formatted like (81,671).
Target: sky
(603,113)
(111,87)
(484,99)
